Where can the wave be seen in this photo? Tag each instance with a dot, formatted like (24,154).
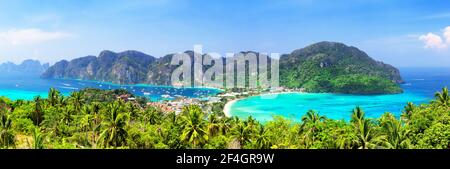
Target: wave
(71,88)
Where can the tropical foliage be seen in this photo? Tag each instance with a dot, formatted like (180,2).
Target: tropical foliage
(95,118)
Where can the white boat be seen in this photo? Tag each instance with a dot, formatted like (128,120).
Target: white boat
(146,93)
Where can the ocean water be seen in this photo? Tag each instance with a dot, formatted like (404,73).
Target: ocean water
(419,87)
(27,86)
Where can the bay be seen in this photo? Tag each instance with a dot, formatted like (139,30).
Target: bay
(419,87)
(27,86)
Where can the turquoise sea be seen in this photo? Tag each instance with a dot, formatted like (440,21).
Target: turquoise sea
(419,87)
(27,86)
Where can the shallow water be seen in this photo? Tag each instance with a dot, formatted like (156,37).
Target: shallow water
(420,86)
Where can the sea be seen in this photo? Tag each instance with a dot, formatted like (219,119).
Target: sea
(27,86)
(420,86)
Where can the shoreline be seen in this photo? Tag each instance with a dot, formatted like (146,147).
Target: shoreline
(227,107)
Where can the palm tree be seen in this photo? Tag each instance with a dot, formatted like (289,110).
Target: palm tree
(38,139)
(225,125)
(397,134)
(262,138)
(53,96)
(114,133)
(251,123)
(213,124)
(37,114)
(133,109)
(6,135)
(367,136)
(407,113)
(443,98)
(193,126)
(85,124)
(241,133)
(78,100)
(63,100)
(358,115)
(95,109)
(152,115)
(312,120)
(67,115)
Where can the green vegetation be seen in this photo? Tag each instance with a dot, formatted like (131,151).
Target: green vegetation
(97,119)
(337,68)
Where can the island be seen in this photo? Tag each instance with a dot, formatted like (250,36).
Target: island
(330,67)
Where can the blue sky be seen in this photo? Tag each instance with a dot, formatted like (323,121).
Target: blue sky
(404,33)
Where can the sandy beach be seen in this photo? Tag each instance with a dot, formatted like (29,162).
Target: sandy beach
(227,107)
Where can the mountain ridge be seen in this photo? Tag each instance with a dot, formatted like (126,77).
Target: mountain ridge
(320,67)
(26,66)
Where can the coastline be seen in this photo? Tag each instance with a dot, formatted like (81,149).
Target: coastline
(227,107)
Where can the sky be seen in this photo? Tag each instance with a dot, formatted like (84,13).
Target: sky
(404,33)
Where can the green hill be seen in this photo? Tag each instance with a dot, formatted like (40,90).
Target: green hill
(337,68)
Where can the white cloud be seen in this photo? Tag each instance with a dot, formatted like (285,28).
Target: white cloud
(447,34)
(433,41)
(30,36)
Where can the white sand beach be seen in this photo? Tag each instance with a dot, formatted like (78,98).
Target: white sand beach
(227,107)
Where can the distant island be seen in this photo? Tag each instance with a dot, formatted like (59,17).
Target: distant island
(27,66)
(322,67)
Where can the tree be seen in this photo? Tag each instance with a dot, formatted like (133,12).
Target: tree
(251,123)
(367,136)
(6,134)
(67,115)
(241,133)
(213,125)
(358,115)
(38,139)
(78,100)
(407,113)
(95,109)
(312,122)
(53,96)
(397,135)
(152,115)
(262,138)
(194,126)
(37,114)
(114,133)
(442,98)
